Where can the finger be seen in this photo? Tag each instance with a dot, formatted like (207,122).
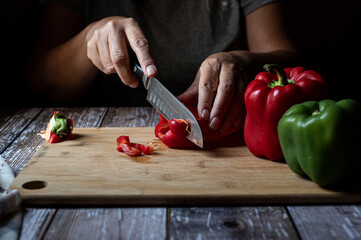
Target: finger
(190,96)
(233,117)
(225,92)
(208,84)
(240,120)
(140,46)
(104,53)
(120,58)
(93,54)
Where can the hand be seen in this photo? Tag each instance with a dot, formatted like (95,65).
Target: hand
(219,88)
(107,47)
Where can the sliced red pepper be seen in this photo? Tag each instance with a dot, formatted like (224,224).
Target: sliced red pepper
(146,149)
(129,150)
(132,149)
(123,139)
(173,133)
(54,138)
(162,127)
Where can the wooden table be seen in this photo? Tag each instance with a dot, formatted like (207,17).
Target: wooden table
(19,142)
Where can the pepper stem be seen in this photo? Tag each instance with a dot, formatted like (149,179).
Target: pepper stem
(277,69)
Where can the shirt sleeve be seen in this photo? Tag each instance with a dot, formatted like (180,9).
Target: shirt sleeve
(76,5)
(249,6)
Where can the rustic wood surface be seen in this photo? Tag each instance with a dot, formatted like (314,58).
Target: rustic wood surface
(89,170)
(19,128)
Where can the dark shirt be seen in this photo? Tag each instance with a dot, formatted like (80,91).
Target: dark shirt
(181,35)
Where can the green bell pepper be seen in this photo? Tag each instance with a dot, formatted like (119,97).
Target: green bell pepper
(322,140)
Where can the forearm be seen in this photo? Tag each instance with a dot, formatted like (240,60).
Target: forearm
(62,72)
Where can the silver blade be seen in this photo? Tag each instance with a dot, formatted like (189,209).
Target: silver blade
(169,106)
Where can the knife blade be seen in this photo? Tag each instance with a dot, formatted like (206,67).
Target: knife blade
(168,105)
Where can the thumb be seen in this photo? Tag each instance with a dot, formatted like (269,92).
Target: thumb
(190,96)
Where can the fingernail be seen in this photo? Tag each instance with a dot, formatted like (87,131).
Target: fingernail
(215,122)
(205,114)
(151,70)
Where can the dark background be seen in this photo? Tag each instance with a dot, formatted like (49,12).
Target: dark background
(326,32)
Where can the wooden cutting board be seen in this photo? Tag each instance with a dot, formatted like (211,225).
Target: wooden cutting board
(89,170)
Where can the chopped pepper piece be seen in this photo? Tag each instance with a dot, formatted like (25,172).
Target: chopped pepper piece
(132,149)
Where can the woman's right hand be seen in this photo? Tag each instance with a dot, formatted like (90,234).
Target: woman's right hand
(107,47)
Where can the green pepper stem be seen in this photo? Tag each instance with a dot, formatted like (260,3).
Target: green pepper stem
(277,69)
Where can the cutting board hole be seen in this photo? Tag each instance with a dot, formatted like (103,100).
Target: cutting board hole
(33,185)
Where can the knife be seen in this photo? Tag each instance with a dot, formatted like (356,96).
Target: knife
(168,105)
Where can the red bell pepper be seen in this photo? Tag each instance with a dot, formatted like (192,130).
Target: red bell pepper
(268,97)
(132,149)
(173,133)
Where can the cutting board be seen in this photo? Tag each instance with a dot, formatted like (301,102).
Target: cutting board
(89,170)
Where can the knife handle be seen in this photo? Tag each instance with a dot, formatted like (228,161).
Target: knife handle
(137,70)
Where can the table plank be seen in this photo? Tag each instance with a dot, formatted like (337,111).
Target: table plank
(131,117)
(231,223)
(36,222)
(327,222)
(12,122)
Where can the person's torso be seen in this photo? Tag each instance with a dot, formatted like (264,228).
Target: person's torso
(181,34)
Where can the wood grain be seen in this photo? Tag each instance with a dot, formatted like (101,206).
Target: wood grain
(89,170)
(231,223)
(87,223)
(312,222)
(327,222)
(138,223)
(24,147)
(131,117)
(112,223)
(12,122)
(36,221)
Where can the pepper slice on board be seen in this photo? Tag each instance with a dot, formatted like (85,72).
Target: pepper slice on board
(132,149)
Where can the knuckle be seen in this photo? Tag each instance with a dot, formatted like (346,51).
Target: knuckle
(118,58)
(227,87)
(131,21)
(111,24)
(234,70)
(210,64)
(96,34)
(141,42)
(108,69)
(89,51)
(213,61)
(209,86)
